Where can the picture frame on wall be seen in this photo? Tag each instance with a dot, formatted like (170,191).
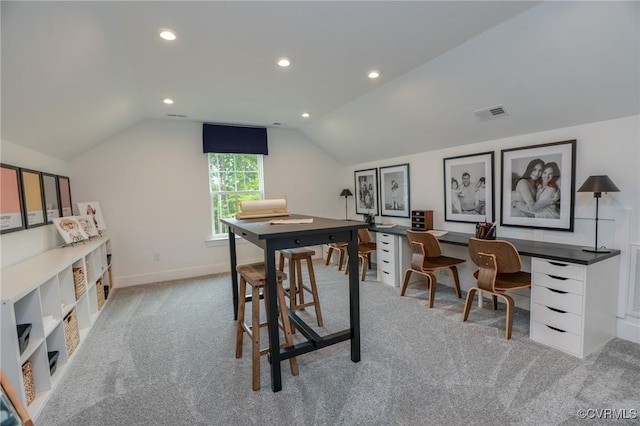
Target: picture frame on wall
(366,184)
(469,188)
(394,191)
(32,198)
(11,209)
(64,189)
(51,196)
(538,186)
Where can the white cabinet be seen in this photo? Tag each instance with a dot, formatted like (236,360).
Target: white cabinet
(387,255)
(42,291)
(573,307)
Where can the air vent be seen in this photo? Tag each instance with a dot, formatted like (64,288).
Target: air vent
(176,115)
(491,112)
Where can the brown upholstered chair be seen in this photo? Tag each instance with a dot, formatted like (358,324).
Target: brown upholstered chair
(426,258)
(365,248)
(500,264)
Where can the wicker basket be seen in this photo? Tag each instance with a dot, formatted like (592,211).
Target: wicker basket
(100,292)
(78,282)
(71,332)
(29,385)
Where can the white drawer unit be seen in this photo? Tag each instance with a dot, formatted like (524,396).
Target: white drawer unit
(573,307)
(387,258)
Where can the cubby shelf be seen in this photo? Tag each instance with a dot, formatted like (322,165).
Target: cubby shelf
(41,291)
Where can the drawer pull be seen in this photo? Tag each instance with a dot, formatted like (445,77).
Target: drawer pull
(555,277)
(557,291)
(386,251)
(556,329)
(384,242)
(385,272)
(385,261)
(557,264)
(556,310)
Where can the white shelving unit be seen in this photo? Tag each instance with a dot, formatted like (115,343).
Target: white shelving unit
(40,291)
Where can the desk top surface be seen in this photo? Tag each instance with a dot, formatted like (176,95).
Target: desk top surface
(261,228)
(540,249)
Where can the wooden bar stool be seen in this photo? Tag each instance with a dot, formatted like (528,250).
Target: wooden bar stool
(255,276)
(296,286)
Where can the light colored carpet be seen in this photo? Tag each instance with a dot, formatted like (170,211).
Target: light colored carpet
(163,354)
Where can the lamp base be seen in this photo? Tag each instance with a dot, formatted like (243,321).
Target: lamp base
(597,250)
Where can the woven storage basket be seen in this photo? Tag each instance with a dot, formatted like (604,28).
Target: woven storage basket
(29,385)
(71,332)
(100,292)
(78,282)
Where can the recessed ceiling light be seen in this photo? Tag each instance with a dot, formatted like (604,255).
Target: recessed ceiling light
(284,62)
(168,34)
(374,74)
(306,115)
(167,101)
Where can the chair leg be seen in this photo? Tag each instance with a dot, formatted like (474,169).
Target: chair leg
(286,325)
(255,335)
(467,304)
(456,281)
(364,267)
(341,259)
(314,291)
(329,253)
(494,302)
(509,320)
(431,282)
(299,289)
(405,282)
(293,290)
(241,306)
(369,260)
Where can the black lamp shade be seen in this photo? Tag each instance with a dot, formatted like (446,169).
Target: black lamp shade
(600,183)
(346,193)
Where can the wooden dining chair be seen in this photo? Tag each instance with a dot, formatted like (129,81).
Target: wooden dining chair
(341,248)
(365,247)
(427,258)
(499,271)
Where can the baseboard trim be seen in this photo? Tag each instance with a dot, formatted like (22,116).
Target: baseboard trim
(628,328)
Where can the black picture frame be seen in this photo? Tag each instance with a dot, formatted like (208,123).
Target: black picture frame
(12,209)
(465,198)
(529,197)
(51,196)
(32,198)
(64,194)
(395,190)
(366,185)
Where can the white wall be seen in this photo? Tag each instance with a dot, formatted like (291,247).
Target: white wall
(152,184)
(608,147)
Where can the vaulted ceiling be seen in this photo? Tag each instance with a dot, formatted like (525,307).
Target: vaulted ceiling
(76,73)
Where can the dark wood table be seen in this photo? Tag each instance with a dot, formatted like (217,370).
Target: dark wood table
(276,237)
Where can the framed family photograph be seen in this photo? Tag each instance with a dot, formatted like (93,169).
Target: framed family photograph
(538,185)
(394,191)
(33,198)
(469,188)
(366,184)
(11,217)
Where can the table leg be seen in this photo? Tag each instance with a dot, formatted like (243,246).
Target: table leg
(234,275)
(354,296)
(272,317)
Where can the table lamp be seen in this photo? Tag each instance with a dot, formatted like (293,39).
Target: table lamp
(346,193)
(598,185)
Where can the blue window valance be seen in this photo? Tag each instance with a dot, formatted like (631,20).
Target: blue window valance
(234,139)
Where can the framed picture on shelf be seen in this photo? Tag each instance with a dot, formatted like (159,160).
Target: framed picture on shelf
(64,188)
(87,224)
(469,188)
(538,185)
(32,198)
(70,229)
(11,217)
(92,209)
(366,184)
(394,191)
(51,196)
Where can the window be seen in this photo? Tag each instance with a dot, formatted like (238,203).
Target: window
(232,178)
